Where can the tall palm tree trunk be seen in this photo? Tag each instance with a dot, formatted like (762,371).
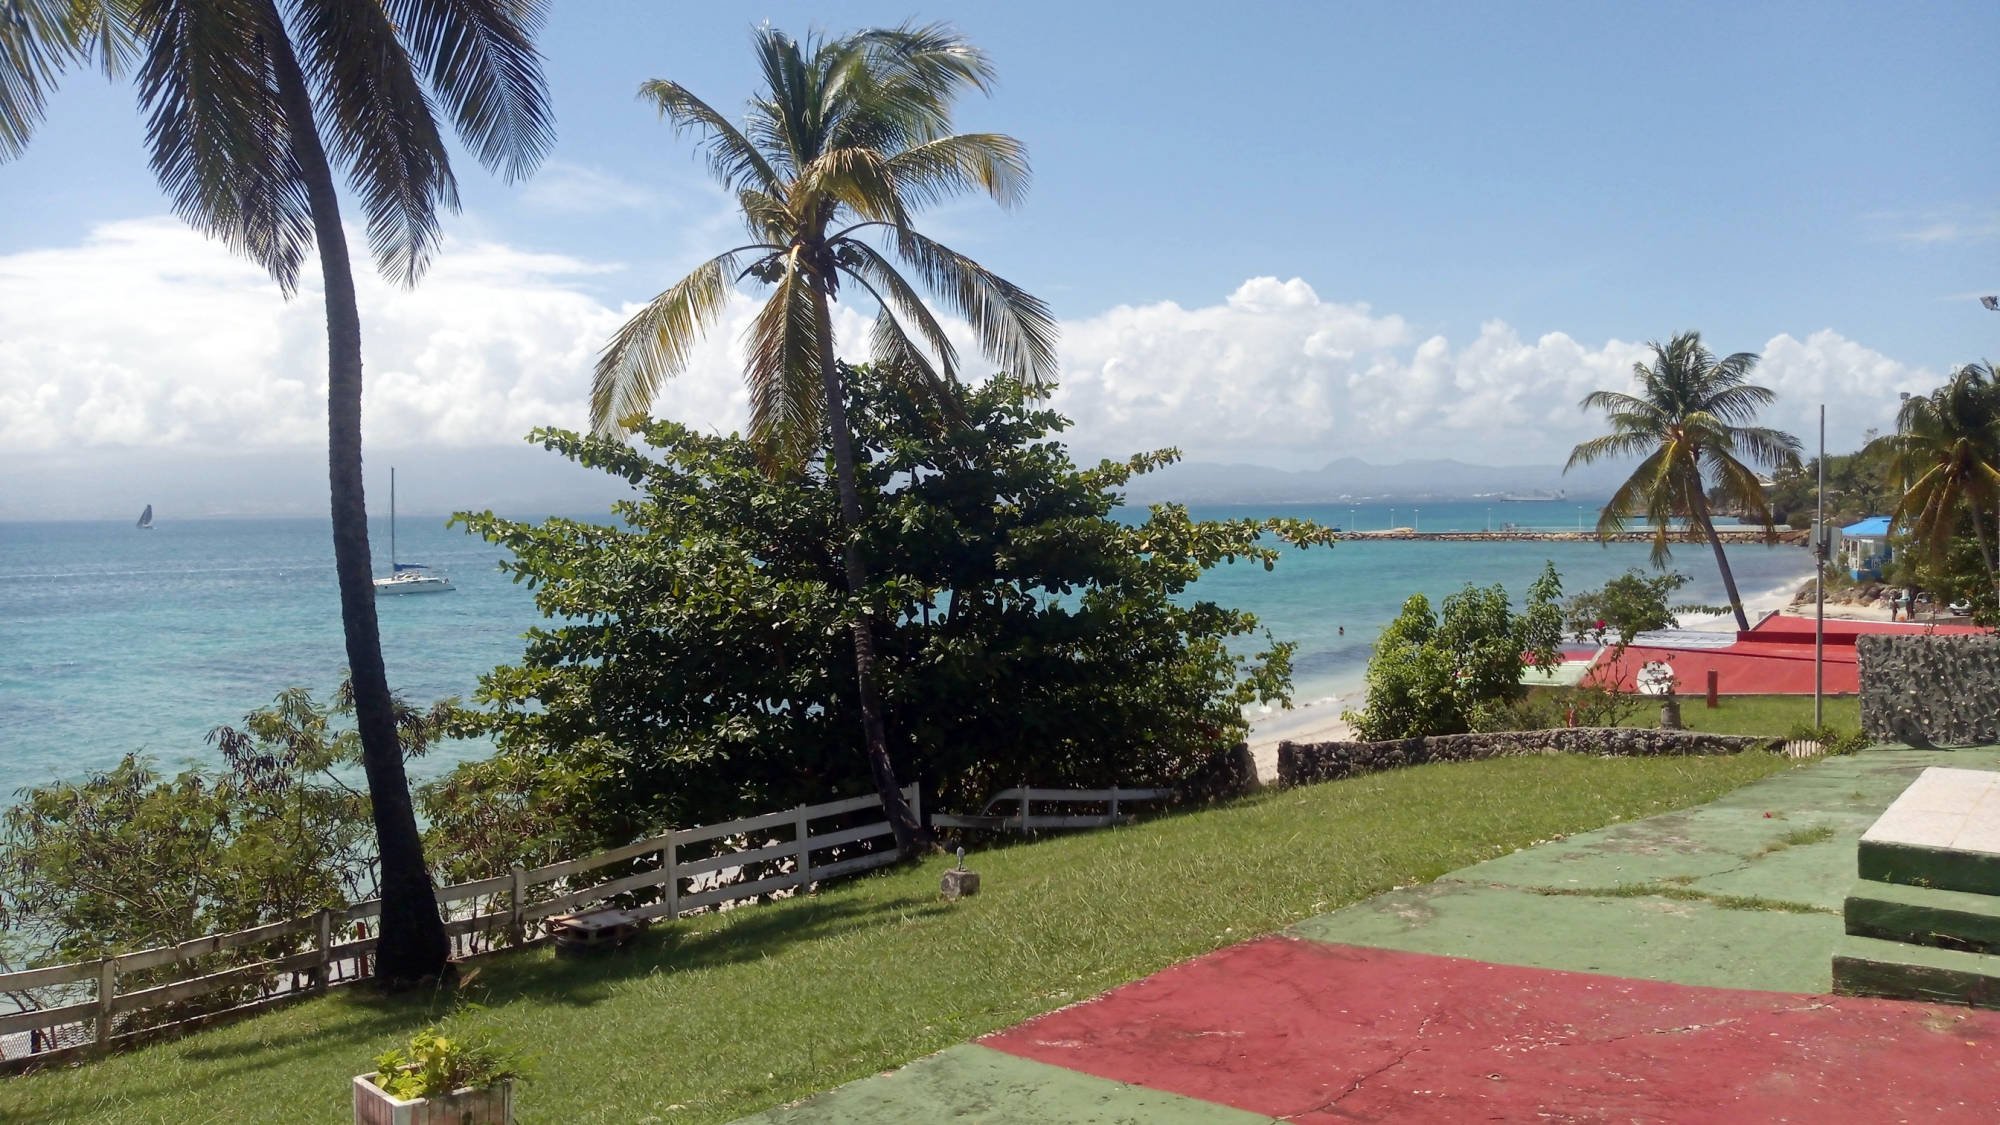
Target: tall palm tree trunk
(1698,507)
(908,831)
(412,941)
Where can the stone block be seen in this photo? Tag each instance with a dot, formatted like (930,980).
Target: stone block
(1930,689)
(958,883)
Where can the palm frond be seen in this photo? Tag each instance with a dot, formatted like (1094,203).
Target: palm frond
(220,143)
(950,166)
(857,177)
(783,369)
(480,59)
(655,344)
(735,161)
(377,124)
(1622,444)
(766,218)
(889,288)
(1618,402)
(39,40)
(1015,329)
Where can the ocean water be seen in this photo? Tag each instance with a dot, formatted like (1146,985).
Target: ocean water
(114,639)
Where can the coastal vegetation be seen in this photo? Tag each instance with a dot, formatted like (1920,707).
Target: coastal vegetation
(725,1014)
(250,105)
(848,139)
(1946,449)
(1026,630)
(1689,423)
(1436,672)
(128,858)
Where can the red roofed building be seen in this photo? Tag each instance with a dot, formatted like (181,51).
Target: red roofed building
(1773,658)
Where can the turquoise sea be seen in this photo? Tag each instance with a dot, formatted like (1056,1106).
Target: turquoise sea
(114,639)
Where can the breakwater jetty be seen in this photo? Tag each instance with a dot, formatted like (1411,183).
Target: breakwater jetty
(1403,534)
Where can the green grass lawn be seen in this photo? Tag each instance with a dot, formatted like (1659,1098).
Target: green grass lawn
(1774,715)
(718,1016)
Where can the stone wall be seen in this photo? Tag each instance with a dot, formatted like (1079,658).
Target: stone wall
(1930,690)
(1302,763)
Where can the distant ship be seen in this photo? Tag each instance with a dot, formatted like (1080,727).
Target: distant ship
(146,519)
(1531,497)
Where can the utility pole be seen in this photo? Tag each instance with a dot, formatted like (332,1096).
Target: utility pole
(1819,580)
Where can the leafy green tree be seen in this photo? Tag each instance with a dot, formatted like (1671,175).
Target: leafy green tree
(846,141)
(1947,447)
(129,859)
(691,669)
(1431,671)
(249,106)
(1632,603)
(1688,424)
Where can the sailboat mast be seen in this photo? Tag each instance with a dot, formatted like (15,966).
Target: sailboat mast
(392,520)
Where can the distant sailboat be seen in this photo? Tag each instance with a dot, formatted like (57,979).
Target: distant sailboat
(146,519)
(404,578)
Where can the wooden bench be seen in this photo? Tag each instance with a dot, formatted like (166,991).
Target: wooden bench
(594,931)
(1024,818)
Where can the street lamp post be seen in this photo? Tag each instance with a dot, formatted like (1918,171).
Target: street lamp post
(1416,519)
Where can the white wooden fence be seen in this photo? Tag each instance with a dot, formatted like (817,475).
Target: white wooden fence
(76,1008)
(1024,818)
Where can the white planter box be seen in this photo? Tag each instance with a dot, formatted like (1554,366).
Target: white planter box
(493,1105)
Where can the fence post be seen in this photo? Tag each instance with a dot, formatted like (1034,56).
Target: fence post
(107,987)
(517,910)
(1114,804)
(1027,798)
(673,856)
(323,943)
(801,826)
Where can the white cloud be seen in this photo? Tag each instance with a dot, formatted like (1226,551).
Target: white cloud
(149,335)
(581,189)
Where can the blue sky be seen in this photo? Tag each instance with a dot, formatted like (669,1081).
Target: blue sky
(1450,185)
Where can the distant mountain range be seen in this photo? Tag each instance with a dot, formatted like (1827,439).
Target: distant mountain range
(1350,478)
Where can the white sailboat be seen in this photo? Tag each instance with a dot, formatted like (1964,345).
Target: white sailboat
(406,578)
(146,519)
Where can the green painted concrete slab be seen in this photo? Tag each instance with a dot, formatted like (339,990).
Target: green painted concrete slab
(1924,916)
(1650,937)
(1749,888)
(1864,966)
(969,1083)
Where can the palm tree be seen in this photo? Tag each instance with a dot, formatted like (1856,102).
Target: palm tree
(1947,446)
(249,104)
(1689,420)
(848,137)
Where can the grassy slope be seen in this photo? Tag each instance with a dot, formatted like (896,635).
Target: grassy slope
(723,1015)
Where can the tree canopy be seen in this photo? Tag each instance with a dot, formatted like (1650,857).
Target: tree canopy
(1030,630)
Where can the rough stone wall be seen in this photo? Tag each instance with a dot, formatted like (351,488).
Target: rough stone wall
(1930,690)
(1302,763)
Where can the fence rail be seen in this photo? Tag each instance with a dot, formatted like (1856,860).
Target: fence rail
(1024,818)
(307,955)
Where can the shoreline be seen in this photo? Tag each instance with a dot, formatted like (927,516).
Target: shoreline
(1319,719)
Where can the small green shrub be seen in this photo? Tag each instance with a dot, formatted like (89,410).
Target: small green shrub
(1833,740)
(435,1064)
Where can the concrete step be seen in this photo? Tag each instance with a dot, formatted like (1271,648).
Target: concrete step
(1865,966)
(1924,916)
(1917,865)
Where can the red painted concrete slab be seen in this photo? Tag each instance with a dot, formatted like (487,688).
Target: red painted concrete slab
(1311,1032)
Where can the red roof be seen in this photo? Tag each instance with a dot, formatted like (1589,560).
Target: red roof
(1774,658)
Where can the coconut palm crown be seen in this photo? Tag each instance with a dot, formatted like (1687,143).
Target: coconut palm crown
(1947,447)
(847,139)
(1689,421)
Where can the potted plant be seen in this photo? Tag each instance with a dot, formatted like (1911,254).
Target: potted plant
(439,1079)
